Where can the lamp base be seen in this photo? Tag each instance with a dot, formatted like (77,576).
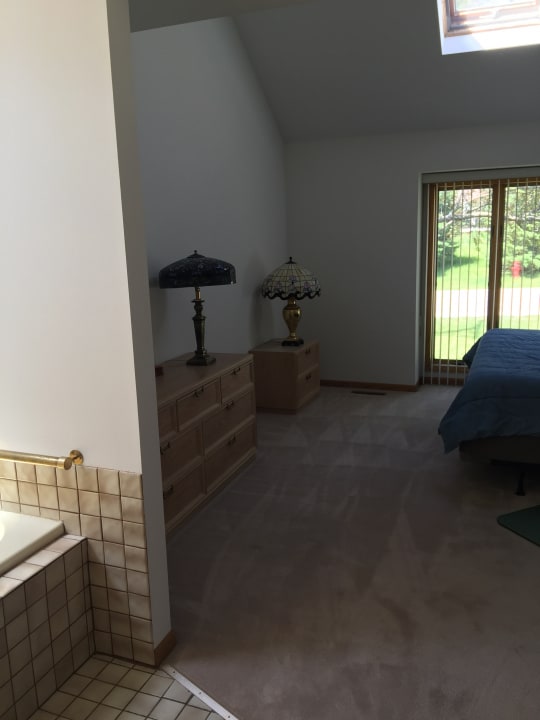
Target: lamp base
(203,359)
(296,341)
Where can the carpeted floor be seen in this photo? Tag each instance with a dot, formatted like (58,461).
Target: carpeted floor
(355,572)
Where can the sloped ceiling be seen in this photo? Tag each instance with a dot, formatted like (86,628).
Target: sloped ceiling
(334,68)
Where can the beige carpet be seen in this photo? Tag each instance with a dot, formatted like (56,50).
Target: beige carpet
(354,571)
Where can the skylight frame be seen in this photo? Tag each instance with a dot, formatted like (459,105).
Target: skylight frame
(463,31)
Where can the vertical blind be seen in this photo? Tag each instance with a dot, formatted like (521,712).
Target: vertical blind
(483,266)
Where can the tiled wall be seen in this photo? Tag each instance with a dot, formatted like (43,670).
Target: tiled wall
(106,506)
(45,625)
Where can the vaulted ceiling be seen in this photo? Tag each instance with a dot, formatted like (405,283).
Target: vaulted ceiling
(334,68)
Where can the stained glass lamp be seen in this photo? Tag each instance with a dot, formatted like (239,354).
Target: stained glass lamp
(291,282)
(197,271)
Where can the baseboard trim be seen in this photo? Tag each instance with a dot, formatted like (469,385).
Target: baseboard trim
(369,386)
(164,648)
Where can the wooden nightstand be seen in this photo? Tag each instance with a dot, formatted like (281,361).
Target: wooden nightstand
(286,377)
(207,428)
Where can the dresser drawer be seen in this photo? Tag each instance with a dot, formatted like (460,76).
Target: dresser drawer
(230,455)
(308,385)
(307,358)
(236,380)
(232,414)
(182,494)
(167,420)
(198,403)
(180,452)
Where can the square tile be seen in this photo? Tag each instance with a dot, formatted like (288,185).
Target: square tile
(75,583)
(78,630)
(57,597)
(73,559)
(23,572)
(138,582)
(91,527)
(122,645)
(55,573)
(26,472)
(178,692)
(108,481)
(103,641)
(87,478)
(19,656)
(28,494)
(76,606)
(37,614)
(113,530)
(141,629)
(45,687)
(42,662)
(192,713)
(142,704)
(97,574)
(79,709)
(102,620)
(103,712)
(51,513)
(22,682)
(61,646)
(95,551)
(68,499)
(116,578)
(89,503)
(96,690)
(157,685)
(118,601)
(46,475)
(136,559)
(114,554)
(139,606)
(9,490)
(112,673)
(92,667)
(143,652)
(16,630)
(131,485)
(110,506)
(119,697)
(63,669)
(48,496)
(132,510)
(35,587)
(71,521)
(13,599)
(40,638)
(134,534)
(166,710)
(120,625)
(75,684)
(7,470)
(26,705)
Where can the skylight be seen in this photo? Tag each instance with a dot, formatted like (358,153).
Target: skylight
(469,25)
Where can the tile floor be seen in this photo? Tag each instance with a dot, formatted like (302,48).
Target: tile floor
(106,688)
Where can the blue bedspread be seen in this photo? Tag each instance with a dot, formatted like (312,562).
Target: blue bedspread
(501,394)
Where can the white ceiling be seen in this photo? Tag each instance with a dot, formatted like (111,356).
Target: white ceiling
(334,68)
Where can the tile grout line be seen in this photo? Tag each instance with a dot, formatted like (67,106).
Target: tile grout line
(183,680)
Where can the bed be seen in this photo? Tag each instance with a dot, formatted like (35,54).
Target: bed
(496,414)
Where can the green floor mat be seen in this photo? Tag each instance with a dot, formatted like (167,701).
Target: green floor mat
(523,522)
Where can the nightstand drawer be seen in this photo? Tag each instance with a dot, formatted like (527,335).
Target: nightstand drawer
(180,452)
(235,381)
(182,494)
(308,385)
(232,414)
(308,357)
(232,453)
(200,402)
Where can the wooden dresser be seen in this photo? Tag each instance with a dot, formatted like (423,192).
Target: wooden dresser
(207,428)
(286,377)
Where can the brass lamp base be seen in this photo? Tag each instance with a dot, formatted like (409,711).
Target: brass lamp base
(291,315)
(201,357)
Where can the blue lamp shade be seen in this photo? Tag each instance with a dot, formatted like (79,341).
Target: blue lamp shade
(291,282)
(197,271)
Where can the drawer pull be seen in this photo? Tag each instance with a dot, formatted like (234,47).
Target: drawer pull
(229,405)
(232,440)
(308,377)
(163,448)
(198,392)
(168,492)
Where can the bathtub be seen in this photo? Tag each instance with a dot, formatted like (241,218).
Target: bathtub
(23,535)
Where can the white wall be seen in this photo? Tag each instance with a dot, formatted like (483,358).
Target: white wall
(212,164)
(66,367)
(354,219)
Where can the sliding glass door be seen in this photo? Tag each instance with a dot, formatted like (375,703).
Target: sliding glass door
(483,266)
